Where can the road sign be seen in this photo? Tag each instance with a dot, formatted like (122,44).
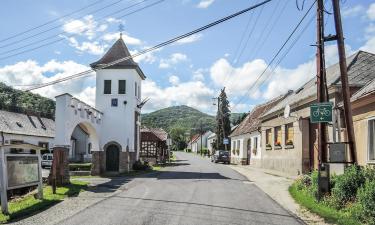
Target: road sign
(321,112)
(226,141)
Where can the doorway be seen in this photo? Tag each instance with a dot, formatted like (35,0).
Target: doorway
(112,158)
(313,146)
(248,147)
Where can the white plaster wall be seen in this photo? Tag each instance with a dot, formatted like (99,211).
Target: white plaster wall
(254,135)
(118,122)
(243,151)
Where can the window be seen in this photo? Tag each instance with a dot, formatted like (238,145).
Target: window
(16,150)
(122,86)
(238,144)
(371,140)
(89,148)
(139,91)
(107,86)
(268,136)
(289,134)
(135,88)
(234,145)
(278,136)
(255,143)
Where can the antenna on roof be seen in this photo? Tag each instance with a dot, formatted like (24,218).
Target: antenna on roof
(121,29)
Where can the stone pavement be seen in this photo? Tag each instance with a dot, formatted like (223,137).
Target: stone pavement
(276,185)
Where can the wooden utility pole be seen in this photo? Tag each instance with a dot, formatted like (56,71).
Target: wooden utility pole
(322,95)
(344,80)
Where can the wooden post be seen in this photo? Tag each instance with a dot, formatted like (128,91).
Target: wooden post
(3,176)
(40,184)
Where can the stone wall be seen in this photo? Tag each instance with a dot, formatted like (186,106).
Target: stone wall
(99,162)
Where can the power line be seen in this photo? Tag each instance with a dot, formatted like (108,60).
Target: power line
(72,35)
(154,47)
(277,53)
(53,28)
(49,22)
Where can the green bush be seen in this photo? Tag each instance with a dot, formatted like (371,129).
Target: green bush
(80,166)
(366,201)
(138,165)
(369,173)
(188,150)
(303,182)
(346,186)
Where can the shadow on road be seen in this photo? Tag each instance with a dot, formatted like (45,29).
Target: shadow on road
(185,175)
(207,205)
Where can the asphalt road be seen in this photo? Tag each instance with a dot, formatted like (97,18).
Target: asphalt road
(193,191)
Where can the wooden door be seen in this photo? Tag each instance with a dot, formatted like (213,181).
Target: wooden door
(313,146)
(112,158)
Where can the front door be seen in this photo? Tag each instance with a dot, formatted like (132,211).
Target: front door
(248,147)
(112,158)
(313,146)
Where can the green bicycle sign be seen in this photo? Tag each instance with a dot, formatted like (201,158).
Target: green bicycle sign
(321,112)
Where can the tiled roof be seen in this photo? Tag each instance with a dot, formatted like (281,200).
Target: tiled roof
(159,133)
(366,90)
(252,120)
(116,52)
(361,70)
(18,123)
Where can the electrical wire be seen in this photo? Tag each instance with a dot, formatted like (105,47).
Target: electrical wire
(277,53)
(168,42)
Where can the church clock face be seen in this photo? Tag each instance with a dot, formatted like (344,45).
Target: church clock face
(114,102)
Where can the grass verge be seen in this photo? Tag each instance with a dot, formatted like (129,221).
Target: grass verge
(329,214)
(29,205)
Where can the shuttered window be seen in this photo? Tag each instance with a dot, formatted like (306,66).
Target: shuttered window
(122,86)
(371,140)
(278,135)
(107,86)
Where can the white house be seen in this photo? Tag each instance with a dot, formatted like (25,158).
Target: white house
(113,125)
(210,141)
(18,128)
(200,141)
(246,146)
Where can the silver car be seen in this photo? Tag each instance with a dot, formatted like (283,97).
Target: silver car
(47,160)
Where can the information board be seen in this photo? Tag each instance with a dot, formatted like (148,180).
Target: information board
(22,171)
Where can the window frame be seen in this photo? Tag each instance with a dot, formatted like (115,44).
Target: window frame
(269,136)
(286,138)
(118,87)
(369,139)
(110,87)
(275,136)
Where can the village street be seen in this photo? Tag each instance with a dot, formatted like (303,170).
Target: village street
(193,191)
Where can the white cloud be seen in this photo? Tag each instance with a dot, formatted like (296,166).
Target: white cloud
(371,12)
(94,48)
(30,72)
(148,57)
(190,39)
(236,80)
(86,27)
(205,4)
(110,37)
(352,11)
(174,80)
(192,93)
(173,59)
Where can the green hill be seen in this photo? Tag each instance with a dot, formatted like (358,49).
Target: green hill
(183,116)
(21,101)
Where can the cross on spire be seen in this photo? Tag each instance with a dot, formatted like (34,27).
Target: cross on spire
(121,29)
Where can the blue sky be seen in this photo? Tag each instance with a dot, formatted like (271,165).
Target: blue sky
(232,54)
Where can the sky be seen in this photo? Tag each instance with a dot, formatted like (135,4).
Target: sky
(69,35)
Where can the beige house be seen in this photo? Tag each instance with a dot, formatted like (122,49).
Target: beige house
(363,106)
(246,137)
(291,142)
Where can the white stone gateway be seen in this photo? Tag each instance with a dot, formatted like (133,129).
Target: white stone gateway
(114,124)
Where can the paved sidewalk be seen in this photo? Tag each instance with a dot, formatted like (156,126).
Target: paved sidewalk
(276,186)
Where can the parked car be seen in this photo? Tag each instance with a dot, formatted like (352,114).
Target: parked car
(221,156)
(47,160)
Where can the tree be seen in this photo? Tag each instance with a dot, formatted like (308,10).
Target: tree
(178,138)
(223,127)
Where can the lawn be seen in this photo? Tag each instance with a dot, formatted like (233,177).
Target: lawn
(29,205)
(329,214)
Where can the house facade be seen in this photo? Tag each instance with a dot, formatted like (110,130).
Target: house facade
(17,128)
(154,147)
(199,141)
(246,138)
(291,141)
(210,141)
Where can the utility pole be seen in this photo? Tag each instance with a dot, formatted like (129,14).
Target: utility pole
(201,132)
(344,80)
(218,110)
(322,95)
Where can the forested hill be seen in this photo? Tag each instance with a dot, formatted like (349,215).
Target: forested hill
(184,117)
(21,101)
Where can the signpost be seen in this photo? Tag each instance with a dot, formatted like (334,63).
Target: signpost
(225,141)
(321,112)
(19,170)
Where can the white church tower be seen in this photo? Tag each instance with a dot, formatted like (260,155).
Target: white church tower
(118,95)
